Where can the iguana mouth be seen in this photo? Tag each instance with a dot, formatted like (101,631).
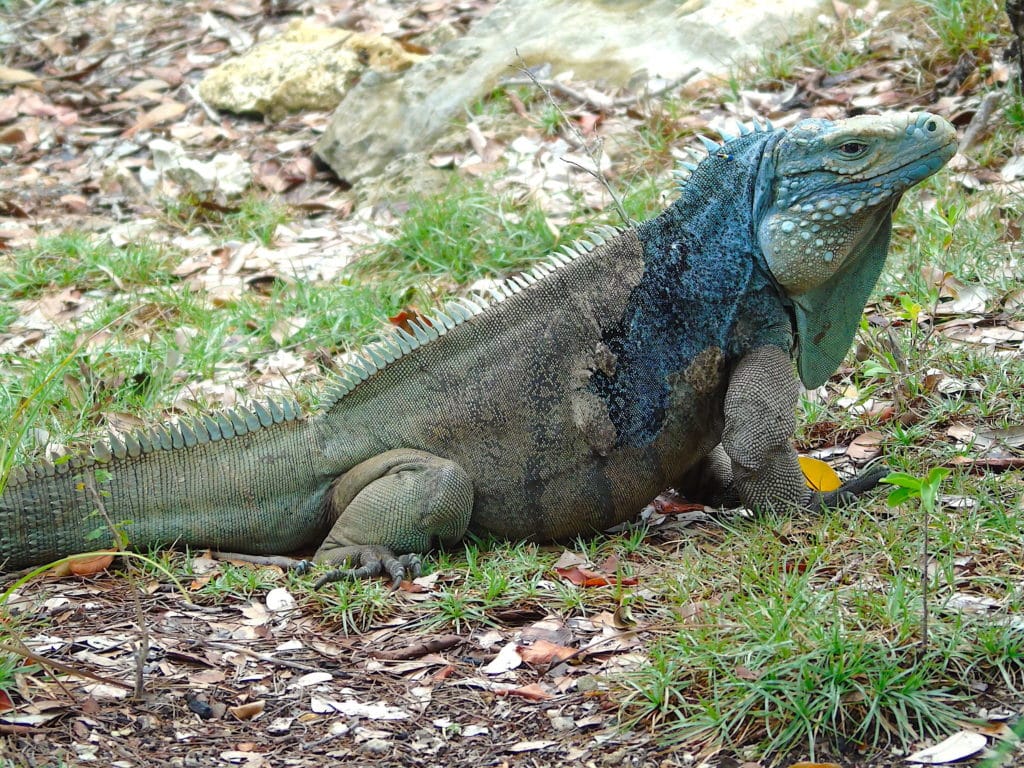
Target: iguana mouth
(935,158)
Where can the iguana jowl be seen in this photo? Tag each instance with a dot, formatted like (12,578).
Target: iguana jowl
(656,356)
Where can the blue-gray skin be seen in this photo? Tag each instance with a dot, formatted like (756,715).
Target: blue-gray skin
(661,356)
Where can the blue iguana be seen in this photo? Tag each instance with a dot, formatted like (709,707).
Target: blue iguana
(660,355)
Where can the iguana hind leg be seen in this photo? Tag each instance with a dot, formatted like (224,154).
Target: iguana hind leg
(391,508)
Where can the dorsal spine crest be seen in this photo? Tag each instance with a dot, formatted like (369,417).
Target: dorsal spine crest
(184,434)
(404,339)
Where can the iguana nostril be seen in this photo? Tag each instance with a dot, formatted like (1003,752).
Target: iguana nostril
(932,126)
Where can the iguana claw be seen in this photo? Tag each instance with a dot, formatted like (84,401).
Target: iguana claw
(374,561)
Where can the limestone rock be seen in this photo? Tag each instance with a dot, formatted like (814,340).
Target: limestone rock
(309,67)
(608,41)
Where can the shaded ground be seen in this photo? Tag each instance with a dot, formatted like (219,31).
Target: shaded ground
(236,684)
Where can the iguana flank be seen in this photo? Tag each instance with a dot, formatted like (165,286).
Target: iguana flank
(653,357)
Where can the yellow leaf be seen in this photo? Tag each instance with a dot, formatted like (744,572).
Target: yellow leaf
(819,475)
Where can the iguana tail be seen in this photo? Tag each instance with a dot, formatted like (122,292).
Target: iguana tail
(244,480)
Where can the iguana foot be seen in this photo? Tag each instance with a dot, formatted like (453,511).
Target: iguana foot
(401,500)
(368,561)
(848,492)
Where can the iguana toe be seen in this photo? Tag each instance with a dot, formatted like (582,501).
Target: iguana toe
(370,561)
(848,492)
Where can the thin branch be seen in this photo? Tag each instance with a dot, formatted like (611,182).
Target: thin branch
(980,120)
(594,155)
(594,99)
(278,561)
(262,656)
(32,656)
(142,648)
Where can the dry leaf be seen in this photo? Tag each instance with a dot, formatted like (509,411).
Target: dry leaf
(818,475)
(248,711)
(970,300)
(569,559)
(957,747)
(583,577)
(22,77)
(163,113)
(531,746)
(533,692)
(310,678)
(508,658)
(90,565)
(544,652)
(866,446)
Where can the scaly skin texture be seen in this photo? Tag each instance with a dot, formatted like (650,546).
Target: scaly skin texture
(660,357)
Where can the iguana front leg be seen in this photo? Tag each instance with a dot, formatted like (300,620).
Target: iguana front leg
(391,508)
(760,419)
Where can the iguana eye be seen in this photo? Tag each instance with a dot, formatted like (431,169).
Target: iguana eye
(852,149)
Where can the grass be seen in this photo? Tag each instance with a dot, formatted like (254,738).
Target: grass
(779,637)
(78,260)
(459,236)
(252,218)
(810,640)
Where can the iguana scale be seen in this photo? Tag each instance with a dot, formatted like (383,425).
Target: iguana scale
(657,356)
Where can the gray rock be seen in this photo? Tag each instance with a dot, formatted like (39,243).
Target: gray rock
(608,41)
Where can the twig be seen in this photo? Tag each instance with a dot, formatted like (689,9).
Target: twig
(142,648)
(21,644)
(279,561)
(980,120)
(416,650)
(585,650)
(594,155)
(925,580)
(32,656)
(262,656)
(210,111)
(101,509)
(590,99)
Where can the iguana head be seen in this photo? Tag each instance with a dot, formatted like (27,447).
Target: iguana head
(826,192)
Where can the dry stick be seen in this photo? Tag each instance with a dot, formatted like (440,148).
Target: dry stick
(261,656)
(141,650)
(587,99)
(211,113)
(980,120)
(594,155)
(416,650)
(43,660)
(283,562)
(925,582)
(26,652)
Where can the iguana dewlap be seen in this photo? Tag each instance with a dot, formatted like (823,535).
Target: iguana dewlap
(658,356)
